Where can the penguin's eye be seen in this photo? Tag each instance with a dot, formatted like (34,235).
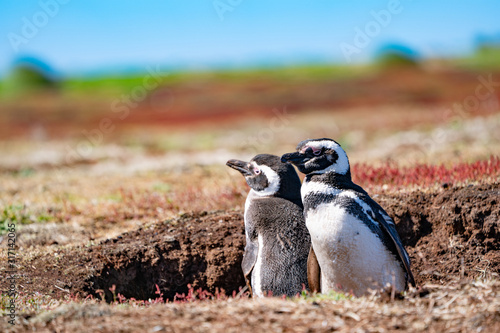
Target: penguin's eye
(316,152)
(256,171)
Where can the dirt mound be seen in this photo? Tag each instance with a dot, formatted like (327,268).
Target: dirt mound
(450,234)
(204,250)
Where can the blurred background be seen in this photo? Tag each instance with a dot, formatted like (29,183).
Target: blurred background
(153,84)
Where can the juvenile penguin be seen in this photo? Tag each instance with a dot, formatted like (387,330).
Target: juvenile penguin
(277,241)
(354,240)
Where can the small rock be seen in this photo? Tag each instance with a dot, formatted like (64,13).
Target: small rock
(169,239)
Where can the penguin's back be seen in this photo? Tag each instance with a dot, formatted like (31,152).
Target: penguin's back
(284,243)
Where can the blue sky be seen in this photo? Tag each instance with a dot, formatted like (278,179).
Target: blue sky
(83,36)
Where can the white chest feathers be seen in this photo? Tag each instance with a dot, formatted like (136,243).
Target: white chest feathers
(256,275)
(257,271)
(352,258)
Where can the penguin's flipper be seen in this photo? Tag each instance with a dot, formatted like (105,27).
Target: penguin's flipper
(249,260)
(313,272)
(388,226)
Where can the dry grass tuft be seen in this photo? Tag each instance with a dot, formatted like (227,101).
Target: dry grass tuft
(466,306)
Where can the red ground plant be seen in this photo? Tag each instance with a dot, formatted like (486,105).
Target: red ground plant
(426,175)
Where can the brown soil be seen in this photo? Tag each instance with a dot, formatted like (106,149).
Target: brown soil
(414,314)
(204,250)
(450,234)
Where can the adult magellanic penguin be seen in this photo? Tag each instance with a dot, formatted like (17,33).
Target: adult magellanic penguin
(354,240)
(277,241)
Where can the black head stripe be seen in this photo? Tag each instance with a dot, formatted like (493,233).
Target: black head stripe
(332,156)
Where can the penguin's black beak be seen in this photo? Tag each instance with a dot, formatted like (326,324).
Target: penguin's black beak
(295,158)
(241,166)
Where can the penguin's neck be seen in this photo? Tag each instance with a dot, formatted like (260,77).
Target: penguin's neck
(323,184)
(291,191)
(292,196)
(326,182)
(331,178)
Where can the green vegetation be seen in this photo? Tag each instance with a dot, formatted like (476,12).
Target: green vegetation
(107,86)
(396,60)
(27,78)
(117,85)
(308,72)
(485,57)
(396,56)
(31,77)
(18,214)
(104,87)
